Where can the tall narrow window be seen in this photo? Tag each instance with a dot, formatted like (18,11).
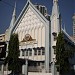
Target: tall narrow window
(30,52)
(43,52)
(54,47)
(39,52)
(0,50)
(26,52)
(35,52)
(23,52)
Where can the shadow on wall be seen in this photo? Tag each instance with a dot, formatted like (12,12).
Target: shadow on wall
(70,73)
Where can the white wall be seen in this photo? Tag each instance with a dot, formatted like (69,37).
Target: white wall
(32,25)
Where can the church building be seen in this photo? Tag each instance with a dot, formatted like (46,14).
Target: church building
(37,33)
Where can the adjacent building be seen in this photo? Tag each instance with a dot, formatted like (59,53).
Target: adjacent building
(2,50)
(2,46)
(73,26)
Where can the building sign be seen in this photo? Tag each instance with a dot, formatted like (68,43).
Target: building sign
(27,38)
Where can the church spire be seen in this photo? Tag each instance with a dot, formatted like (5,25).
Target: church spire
(55,8)
(55,29)
(28,0)
(12,21)
(64,28)
(55,16)
(55,1)
(13,17)
(14,12)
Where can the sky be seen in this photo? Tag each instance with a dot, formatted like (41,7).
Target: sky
(66,8)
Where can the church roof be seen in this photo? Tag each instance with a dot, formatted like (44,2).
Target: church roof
(41,17)
(67,36)
(37,12)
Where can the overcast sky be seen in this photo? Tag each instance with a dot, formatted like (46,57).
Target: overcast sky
(66,8)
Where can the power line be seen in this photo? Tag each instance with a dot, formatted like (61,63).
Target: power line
(8,4)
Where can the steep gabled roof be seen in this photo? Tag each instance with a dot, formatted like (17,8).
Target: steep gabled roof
(24,11)
(66,36)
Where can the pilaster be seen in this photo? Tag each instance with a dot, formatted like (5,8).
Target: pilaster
(47,48)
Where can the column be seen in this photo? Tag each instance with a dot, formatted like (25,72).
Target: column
(47,48)
(26,67)
(2,71)
(7,48)
(53,67)
(41,27)
(6,56)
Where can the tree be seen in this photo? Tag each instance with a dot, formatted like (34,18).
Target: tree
(13,53)
(62,55)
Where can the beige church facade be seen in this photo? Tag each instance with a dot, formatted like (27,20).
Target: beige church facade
(37,33)
(33,33)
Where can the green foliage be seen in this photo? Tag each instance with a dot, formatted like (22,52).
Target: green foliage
(13,53)
(62,54)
